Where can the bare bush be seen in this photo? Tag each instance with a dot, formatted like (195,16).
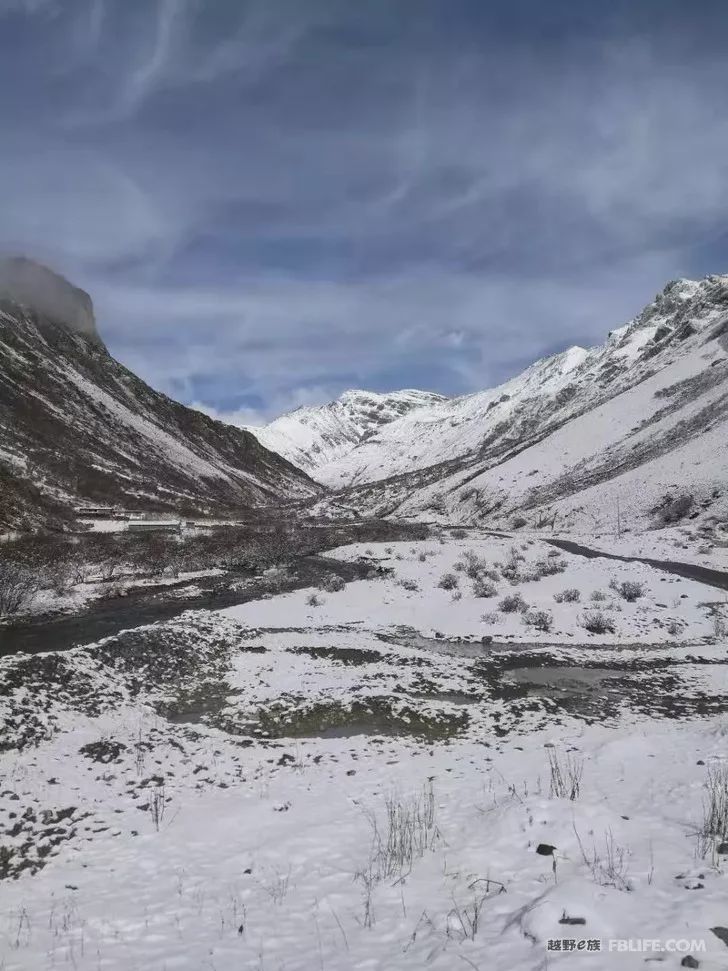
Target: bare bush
(448,581)
(80,570)
(529,572)
(109,569)
(570,596)
(484,588)
(598,596)
(538,619)
(596,622)
(473,565)
(514,557)
(313,600)
(551,566)
(512,603)
(333,584)
(628,590)
(511,568)
(59,578)
(408,584)
(18,586)
(566,775)
(674,508)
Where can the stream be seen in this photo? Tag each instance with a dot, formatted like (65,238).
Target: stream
(107,617)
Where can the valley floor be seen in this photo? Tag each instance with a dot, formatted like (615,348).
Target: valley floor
(363,776)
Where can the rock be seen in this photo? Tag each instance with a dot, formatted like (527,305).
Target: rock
(721,933)
(545,849)
(722,849)
(105,750)
(689,962)
(486,639)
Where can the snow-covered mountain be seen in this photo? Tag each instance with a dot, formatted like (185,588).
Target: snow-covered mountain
(637,418)
(75,425)
(315,437)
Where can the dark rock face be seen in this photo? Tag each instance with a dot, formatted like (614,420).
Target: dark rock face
(48,295)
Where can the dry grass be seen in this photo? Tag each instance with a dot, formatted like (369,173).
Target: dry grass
(566,773)
(608,865)
(714,825)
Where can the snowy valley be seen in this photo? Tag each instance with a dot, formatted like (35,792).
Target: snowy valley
(442,684)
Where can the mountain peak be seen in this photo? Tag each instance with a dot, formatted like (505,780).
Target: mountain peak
(314,436)
(47,294)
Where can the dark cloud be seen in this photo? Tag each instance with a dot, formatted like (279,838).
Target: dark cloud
(272,199)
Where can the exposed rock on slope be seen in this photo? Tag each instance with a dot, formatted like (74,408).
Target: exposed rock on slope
(314,437)
(77,425)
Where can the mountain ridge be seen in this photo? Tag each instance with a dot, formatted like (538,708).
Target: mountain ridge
(313,436)
(77,426)
(562,421)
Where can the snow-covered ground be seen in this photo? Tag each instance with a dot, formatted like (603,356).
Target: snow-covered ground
(291,787)
(668,608)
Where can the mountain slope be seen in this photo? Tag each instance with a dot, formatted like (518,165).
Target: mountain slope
(313,438)
(641,416)
(77,425)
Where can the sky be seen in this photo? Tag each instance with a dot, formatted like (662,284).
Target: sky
(272,201)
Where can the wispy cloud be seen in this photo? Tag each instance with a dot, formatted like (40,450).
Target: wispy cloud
(270,196)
